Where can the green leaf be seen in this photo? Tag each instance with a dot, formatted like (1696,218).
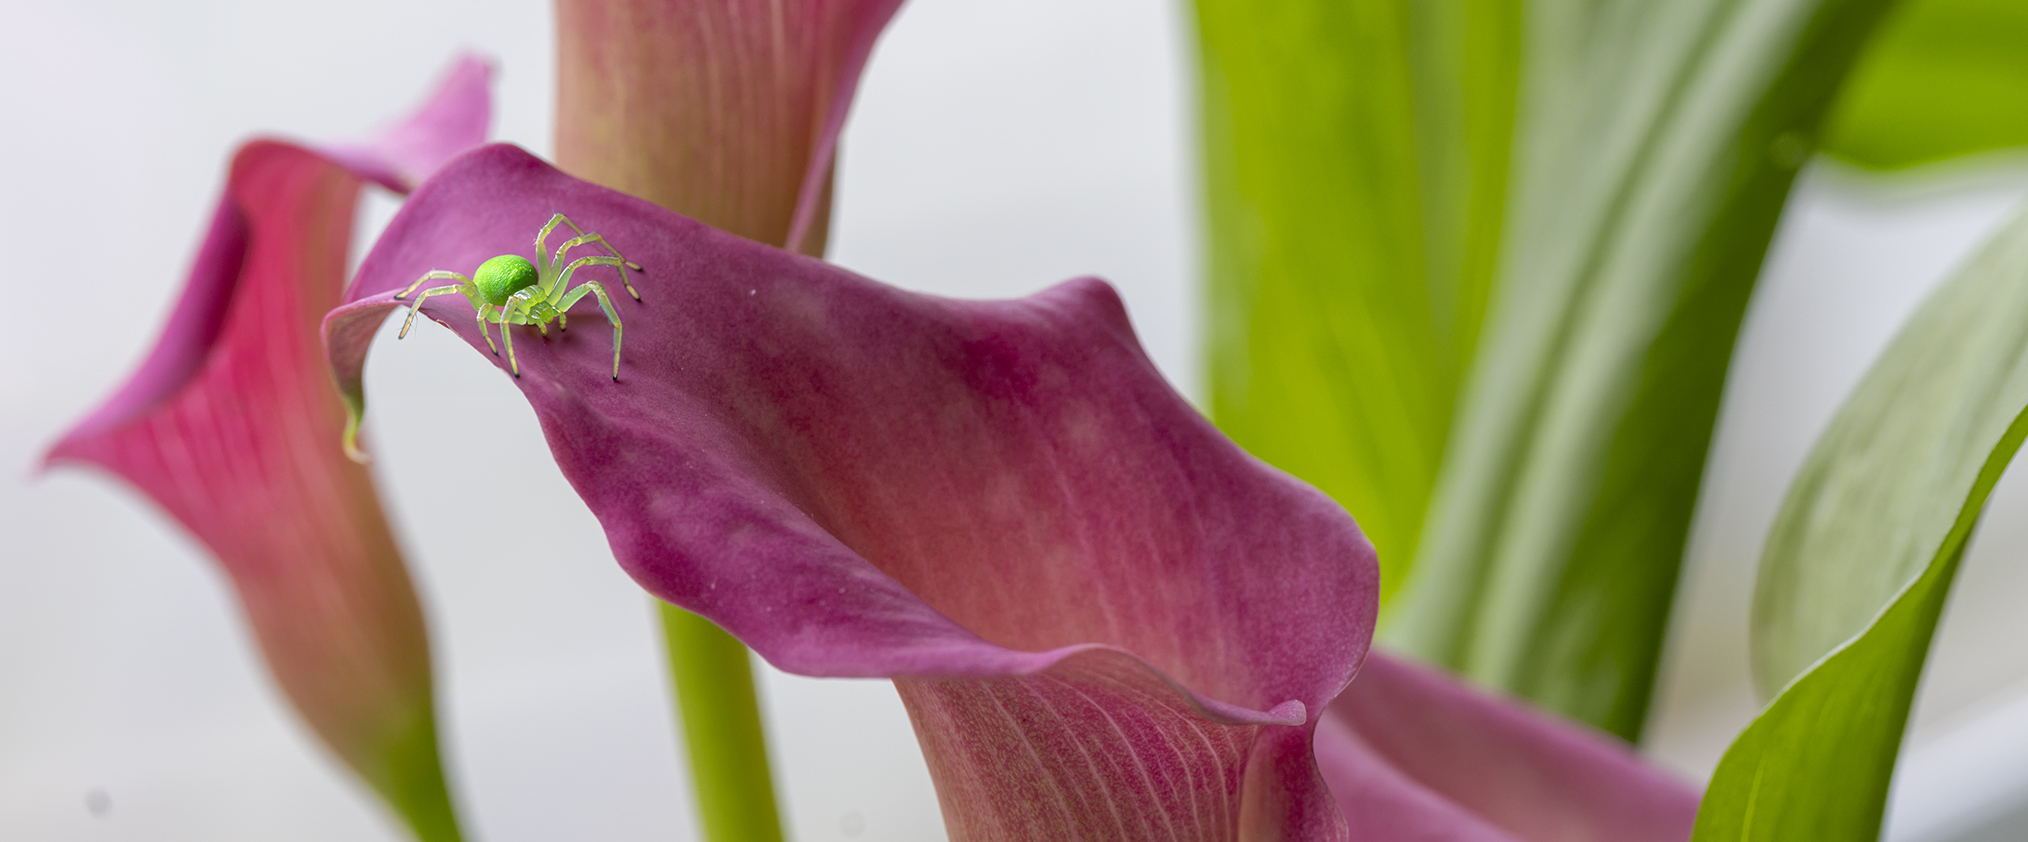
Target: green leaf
(1657,144)
(1356,170)
(1866,544)
(1943,78)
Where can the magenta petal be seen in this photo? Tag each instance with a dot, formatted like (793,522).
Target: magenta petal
(1413,754)
(230,426)
(1083,587)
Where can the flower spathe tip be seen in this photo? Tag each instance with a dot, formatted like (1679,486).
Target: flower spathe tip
(456,115)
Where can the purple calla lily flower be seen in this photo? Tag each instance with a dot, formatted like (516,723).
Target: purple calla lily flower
(1106,620)
(229,424)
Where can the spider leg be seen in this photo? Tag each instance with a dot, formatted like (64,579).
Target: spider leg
(563,278)
(507,339)
(434,275)
(606,304)
(542,238)
(516,307)
(608,246)
(485,331)
(507,336)
(415,306)
(588,239)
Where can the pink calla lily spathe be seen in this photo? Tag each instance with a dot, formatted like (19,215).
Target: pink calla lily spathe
(1106,621)
(726,112)
(228,425)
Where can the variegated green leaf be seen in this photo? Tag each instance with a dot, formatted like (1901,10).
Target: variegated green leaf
(1656,143)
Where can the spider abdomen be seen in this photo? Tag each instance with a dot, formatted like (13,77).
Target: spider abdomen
(502,276)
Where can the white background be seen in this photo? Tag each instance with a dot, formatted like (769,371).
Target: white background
(995,148)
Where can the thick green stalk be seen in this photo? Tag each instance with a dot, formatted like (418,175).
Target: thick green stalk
(713,680)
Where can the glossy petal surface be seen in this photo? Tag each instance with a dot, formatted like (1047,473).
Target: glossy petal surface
(230,426)
(727,112)
(1102,614)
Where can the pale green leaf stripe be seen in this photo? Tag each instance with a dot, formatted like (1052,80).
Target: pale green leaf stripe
(1656,143)
(1356,165)
(1944,78)
(1869,539)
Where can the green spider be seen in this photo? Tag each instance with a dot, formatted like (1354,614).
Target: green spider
(508,290)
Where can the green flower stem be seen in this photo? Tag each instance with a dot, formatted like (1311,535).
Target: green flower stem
(713,680)
(410,775)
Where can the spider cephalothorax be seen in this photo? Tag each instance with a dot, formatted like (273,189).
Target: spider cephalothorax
(509,290)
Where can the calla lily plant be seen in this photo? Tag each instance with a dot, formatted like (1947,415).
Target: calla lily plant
(225,427)
(1106,620)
